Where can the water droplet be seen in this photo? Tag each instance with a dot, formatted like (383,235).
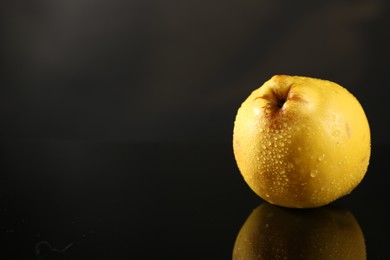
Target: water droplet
(336,133)
(299,148)
(284,124)
(290,165)
(321,158)
(269,143)
(263,146)
(267,195)
(313,173)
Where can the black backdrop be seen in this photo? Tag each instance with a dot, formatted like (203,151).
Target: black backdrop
(116,118)
(177,70)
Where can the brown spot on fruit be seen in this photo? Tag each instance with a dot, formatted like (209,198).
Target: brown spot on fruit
(347,129)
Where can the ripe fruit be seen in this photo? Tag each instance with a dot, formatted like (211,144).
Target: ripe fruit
(273,232)
(301,142)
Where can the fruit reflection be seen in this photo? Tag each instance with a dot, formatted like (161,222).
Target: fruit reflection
(273,232)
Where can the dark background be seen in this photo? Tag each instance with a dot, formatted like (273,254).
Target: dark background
(177,70)
(117,117)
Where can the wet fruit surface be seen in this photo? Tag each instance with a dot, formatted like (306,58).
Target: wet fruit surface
(301,142)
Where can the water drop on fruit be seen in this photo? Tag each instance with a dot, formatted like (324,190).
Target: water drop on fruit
(313,173)
(290,165)
(336,133)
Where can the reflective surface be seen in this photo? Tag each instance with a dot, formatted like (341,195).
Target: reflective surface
(273,232)
(79,200)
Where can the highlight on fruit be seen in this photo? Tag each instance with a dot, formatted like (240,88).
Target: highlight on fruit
(301,142)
